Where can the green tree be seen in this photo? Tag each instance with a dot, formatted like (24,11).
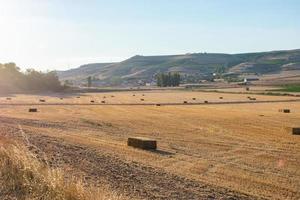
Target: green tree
(159,80)
(89,80)
(167,80)
(13,80)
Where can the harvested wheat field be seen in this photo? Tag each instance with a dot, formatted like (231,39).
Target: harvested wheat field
(150,97)
(226,151)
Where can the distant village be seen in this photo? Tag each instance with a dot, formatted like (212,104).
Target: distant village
(185,79)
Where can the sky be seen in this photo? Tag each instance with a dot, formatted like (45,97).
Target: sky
(63,34)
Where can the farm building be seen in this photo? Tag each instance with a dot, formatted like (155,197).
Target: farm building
(250,79)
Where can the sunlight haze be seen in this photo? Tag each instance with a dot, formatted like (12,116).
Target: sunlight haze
(65,34)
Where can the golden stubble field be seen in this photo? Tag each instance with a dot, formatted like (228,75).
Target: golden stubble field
(135,97)
(241,149)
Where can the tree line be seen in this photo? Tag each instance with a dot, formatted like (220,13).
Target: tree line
(13,80)
(168,80)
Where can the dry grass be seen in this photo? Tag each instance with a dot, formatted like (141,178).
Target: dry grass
(241,147)
(150,97)
(22,176)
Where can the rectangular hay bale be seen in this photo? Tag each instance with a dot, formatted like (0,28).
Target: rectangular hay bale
(142,143)
(284,110)
(293,130)
(32,110)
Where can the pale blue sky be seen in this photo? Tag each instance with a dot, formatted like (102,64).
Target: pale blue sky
(61,34)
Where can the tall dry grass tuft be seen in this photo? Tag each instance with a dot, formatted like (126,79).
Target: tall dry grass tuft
(22,176)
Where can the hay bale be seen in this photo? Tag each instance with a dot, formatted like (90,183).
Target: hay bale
(220,97)
(293,130)
(142,99)
(247,88)
(92,101)
(102,101)
(8,98)
(42,100)
(158,104)
(133,95)
(112,96)
(32,110)
(252,99)
(285,110)
(142,143)
(205,101)
(185,102)
(78,97)
(194,99)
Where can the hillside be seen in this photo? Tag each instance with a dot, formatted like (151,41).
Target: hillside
(82,71)
(192,67)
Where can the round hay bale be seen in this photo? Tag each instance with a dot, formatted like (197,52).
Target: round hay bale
(185,102)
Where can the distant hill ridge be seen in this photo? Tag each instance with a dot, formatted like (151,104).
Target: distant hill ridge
(196,64)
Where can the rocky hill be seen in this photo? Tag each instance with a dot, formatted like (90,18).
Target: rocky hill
(193,67)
